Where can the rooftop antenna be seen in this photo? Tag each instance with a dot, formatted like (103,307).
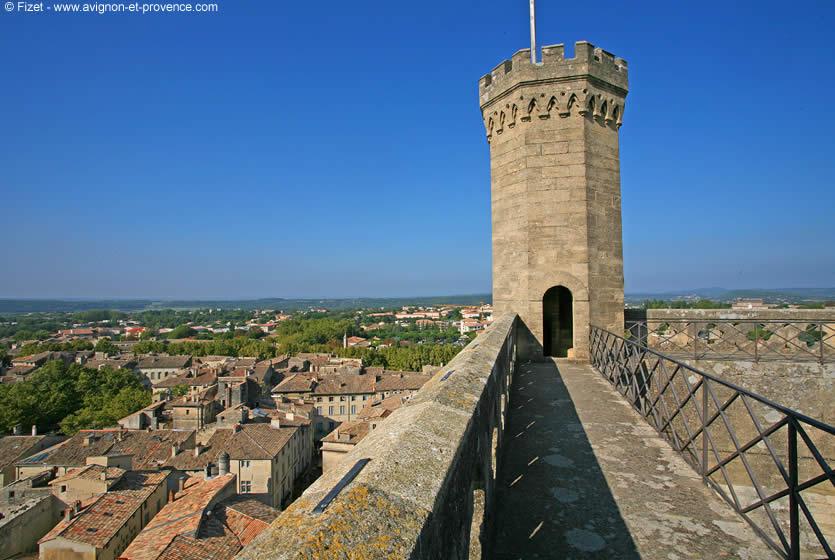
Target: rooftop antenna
(533,33)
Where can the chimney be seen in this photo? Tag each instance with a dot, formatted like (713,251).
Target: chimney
(171,496)
(34,429)
(17,430)
(68,514)
(181,484)
(236,428)
(275,422)
(174,450)
(207,471)
(76,507)
(198,449)
(223,463)
(88,439)
(103,475)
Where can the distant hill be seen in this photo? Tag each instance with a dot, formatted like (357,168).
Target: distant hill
(9,306)
(779,295)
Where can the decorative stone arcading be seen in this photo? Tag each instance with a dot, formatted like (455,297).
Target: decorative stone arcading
(587,102)
(592,85)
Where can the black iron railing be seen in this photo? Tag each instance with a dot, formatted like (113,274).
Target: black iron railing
(737,339)
(770,463)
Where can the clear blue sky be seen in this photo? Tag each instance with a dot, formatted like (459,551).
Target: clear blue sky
(336,148)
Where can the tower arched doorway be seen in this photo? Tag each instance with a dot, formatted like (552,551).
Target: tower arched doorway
(557,322)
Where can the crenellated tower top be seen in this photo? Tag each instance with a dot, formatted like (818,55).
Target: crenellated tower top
(600,67)
(593,84)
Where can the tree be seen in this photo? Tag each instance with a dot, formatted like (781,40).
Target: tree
(183,331)
(179,391)
(106,346)
(72,397)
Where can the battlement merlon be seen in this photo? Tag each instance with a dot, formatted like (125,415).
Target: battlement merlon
(588,62)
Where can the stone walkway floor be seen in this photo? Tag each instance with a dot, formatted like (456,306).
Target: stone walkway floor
(584,476)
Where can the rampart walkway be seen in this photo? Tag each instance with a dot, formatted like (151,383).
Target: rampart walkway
(585,477)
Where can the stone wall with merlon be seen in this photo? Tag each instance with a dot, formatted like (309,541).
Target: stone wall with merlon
(428,490)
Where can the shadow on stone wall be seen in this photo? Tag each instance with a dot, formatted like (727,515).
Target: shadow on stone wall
(549,474)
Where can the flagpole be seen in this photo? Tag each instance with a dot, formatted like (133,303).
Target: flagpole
(533,33)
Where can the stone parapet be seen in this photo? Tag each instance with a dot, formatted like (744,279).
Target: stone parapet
(588,62)
(428,488)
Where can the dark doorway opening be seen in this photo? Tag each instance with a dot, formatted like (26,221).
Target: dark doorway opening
(557,322)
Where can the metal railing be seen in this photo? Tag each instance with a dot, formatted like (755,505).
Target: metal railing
(769,462)
(737,339)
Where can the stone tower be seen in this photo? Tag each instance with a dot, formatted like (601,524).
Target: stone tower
(555,193)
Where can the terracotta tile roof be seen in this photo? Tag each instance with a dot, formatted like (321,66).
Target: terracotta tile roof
(100,522)
(245,362)
(381,409)
(296,383)
(257,441)
(91,472)
(148,448)
(344,385)
(251,441)
(20,370)
(164,362)
(348,432)
(204,397)
(188,379)
(221,545)
(115,363)
(182,517)
(401,381)
(183,530)
(251,507)
(13,448)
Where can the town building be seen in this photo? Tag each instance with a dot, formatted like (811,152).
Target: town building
(194,411)
(267,459)
(205,520)
(83,483)
(16,448)
(151,417)
(28,510)
(143,449)
(103,529)
(156,368)
(339,398)
(344,438)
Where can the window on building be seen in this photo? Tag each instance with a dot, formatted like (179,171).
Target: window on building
(63,488)
(330,399)
(246,486)
(342,409)
(319,409)
(330,410)
(245,463)
(353,409)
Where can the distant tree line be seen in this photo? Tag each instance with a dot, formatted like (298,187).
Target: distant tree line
(685,304)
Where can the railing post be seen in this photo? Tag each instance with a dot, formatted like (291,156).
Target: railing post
(695,341)
(794,517)
(820,341)
(704,427)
